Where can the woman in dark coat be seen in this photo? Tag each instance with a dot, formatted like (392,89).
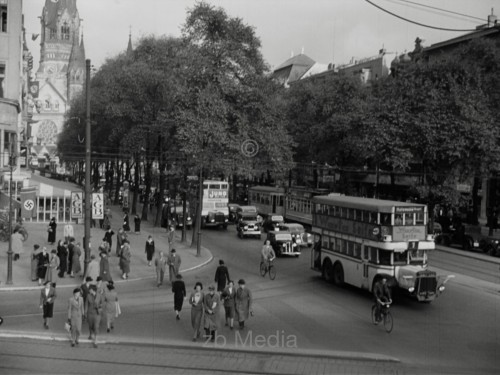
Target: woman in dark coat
(34,262)
(43,264)
(52,231)
(221,276)
(196,300)
(126,223)
(229,296)
(104,267)
(179,290)
(76,267)
(62,253)
(150,249)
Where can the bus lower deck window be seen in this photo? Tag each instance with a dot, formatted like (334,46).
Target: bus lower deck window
(384,257)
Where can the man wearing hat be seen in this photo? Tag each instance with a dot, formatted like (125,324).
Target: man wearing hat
(211,306)
(47,297)
(174,263)
(85,292)
(93,308)
(243,302)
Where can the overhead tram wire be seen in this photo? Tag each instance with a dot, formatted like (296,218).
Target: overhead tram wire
(441,9)
(417,23)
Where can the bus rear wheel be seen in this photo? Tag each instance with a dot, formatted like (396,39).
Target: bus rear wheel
(338,274)
(327,271)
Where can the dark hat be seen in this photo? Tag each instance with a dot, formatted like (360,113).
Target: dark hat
(221,262)
(76,290)
(54,251)
(179,276)
(36,246)
(99,278)
(93,287)
(241,282)
(110,286)
(198,283)
(172,251)
(88,279)
(211,287)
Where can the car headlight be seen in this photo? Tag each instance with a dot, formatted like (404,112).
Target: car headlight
(441,288)
(225,220)
(245,227)
(411,289)
(212,220)
(188,218)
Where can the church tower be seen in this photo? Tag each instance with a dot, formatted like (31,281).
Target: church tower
(60,76)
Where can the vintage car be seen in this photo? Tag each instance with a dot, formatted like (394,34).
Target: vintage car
(248,228)
(282,244)
(177,217)
(246,213)
(233,210)
(299,234)
(458,236)
(272,222)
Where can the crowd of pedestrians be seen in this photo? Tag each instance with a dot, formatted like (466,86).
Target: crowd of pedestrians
(95,301)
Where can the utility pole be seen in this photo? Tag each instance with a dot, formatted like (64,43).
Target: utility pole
(12,160)
(88,192)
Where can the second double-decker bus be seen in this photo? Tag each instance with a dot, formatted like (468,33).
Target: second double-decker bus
(360,240)
(215,211)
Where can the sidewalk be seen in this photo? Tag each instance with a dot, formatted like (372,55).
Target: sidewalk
(139,270)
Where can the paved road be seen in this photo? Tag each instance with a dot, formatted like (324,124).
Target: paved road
(458,333)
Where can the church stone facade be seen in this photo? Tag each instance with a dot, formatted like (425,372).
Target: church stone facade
(59,79)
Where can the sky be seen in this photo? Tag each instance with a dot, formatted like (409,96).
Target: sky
(325,30)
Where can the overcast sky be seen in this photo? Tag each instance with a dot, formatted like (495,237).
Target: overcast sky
(325,30)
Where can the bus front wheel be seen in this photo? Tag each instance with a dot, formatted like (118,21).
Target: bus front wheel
(338,274)
(327,271)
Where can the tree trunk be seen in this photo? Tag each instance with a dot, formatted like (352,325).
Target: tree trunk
(147,181)
(119,169)
(136,183)
(162,165)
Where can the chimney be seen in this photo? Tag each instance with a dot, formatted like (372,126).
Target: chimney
(492,19)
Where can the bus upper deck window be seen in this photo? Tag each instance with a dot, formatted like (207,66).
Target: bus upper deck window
(357,215)
(398,219)
(336,211)
(419,218)
(373,217)
(385,219)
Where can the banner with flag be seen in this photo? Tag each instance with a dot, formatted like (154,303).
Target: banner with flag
(28,202)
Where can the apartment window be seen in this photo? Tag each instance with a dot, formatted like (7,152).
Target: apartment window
(53,34)
(3,16)
(2,79)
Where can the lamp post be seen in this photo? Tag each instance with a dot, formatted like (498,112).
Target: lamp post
(200,208)
(12,160)
(88,193)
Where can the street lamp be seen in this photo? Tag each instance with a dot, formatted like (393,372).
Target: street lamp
(88,196)
(12,161)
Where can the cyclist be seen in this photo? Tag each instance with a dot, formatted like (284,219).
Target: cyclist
(382,295)
(267,254)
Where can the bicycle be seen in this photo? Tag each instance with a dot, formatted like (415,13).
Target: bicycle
(5,234)
(385,316)
(271,268)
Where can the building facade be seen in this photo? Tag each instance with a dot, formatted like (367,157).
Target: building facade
(59,79)
(11,38)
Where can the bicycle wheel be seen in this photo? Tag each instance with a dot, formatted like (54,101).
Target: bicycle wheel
(388,321)
(272,272)
(374,315)
(262,269)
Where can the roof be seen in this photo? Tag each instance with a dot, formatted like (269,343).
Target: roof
(268,189)
(48,187)
(298,60)
(294,68)
(462,38)
(371,204)
(52,9)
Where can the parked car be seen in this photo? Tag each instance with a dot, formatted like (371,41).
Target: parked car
(299,234)
(248,228)
(457,236)
(233,211)
(273,222)
(283,244)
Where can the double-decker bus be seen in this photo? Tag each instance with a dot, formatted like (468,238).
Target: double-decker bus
(215,211)
(360,240)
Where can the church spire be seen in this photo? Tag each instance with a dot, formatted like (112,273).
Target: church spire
(129,47)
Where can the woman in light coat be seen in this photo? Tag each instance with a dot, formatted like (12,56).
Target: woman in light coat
(125,260)
(53,265)
(212,307)
(75,315)
(161,266)
(110,301)
(76,268)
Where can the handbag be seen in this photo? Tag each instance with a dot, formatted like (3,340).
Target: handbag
(118,309)
(67,327)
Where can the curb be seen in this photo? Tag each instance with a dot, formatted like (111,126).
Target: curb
(467,254)
(119,281)
(308,353)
